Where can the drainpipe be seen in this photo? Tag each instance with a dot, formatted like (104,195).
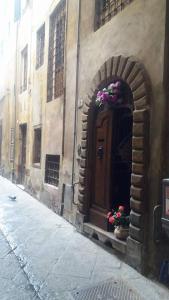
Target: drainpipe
(76,104)
(76,101)
(15,99)
(64,104)
(64,91)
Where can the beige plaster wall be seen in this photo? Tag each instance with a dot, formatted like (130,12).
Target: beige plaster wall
(31,105)
(48,115)
(139,31)
(7,58)
(71,73)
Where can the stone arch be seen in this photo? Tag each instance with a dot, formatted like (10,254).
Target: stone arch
(133,73)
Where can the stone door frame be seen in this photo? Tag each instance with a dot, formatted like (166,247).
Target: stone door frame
(133,73)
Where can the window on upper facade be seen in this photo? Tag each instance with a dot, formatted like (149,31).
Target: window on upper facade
(106,9)
(52,169)
(24,69)
(37,146)
(56,52)
(40,43)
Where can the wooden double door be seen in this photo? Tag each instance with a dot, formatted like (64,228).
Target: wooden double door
(111,167)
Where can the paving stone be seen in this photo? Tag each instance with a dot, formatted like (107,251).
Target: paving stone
(4,248)
(52,256)
(71,263)
(14,284)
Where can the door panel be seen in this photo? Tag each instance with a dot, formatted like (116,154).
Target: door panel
(102,169)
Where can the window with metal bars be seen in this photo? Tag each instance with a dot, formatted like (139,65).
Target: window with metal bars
(24,69)
(37,146)
(52,169)
(56,52)
(40,43)
(106,9)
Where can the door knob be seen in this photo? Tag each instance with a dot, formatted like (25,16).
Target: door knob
(100,152)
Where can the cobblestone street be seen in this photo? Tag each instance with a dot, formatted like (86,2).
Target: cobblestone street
(44,257)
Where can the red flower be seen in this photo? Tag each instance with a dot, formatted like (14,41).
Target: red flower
(111,220)
(118,214)
(109,214)
(121,208)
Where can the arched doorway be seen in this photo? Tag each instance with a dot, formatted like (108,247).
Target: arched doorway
(111,158)
(134,75)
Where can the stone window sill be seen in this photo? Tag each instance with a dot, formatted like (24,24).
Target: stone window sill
(36,165)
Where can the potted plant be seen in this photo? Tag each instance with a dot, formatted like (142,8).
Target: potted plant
(120,220)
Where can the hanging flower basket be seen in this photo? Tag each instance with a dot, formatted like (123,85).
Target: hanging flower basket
(111,95)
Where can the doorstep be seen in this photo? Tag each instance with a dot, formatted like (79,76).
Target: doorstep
(105,237)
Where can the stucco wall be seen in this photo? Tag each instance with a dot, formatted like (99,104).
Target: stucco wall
(48,115)
(139,31)
(31,105)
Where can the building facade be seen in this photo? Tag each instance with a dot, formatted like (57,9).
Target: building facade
(79,159)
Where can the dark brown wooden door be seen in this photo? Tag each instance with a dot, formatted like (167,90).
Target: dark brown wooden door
(100,202)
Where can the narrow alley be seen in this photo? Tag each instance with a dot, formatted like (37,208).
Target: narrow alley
(44,257)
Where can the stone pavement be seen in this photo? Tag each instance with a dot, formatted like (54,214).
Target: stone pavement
(14,283)
(54,260)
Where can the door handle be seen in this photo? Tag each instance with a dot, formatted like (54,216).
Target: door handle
(100,152)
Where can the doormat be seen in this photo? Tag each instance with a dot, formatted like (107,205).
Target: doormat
(111,290)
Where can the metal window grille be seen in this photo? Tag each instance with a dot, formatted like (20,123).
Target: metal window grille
(56,52)
(52,169)
(37,146)
(24,68)
(106,9)
(40,46)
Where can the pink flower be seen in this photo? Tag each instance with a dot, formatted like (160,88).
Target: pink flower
(105,96)
(117,84)
(99,93)
(109,214)
(111,86)
(111,220)
(121,208)
(118,214)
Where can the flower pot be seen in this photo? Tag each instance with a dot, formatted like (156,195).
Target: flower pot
(121,232)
